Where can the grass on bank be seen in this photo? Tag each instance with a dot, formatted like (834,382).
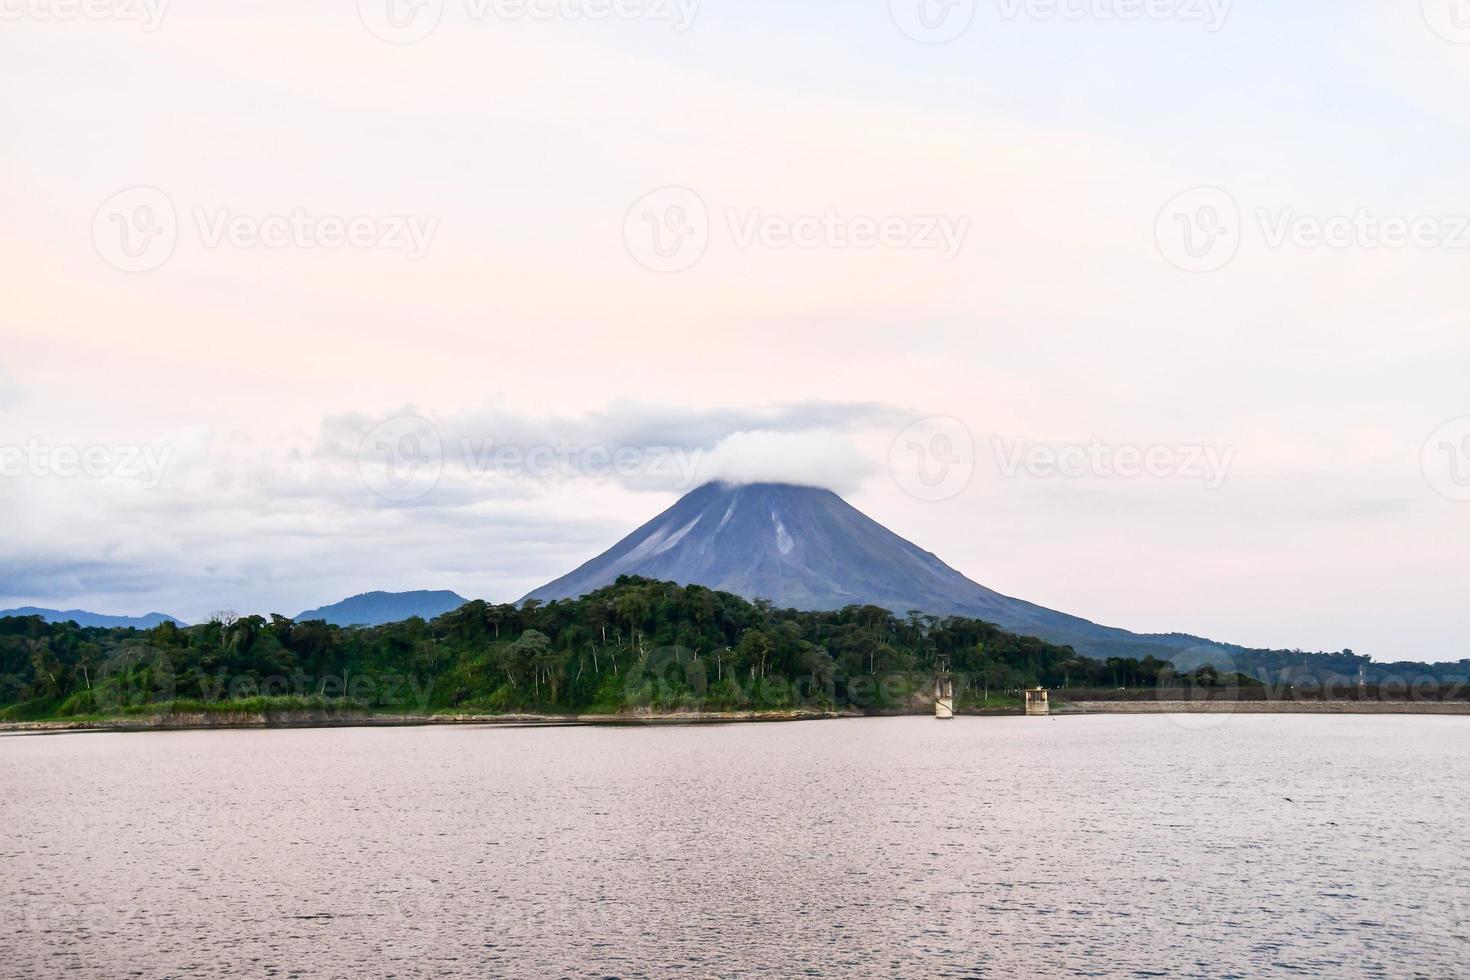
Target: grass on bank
(617,692)
(260,705)
(41,710)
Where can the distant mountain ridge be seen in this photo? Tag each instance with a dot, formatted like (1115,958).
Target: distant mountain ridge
(807,548)
(84,618)
(377,608)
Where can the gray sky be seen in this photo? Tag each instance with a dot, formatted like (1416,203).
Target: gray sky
(1153,313)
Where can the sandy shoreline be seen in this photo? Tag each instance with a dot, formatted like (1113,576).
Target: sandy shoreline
(1263,707)
(315,719)
(311,719)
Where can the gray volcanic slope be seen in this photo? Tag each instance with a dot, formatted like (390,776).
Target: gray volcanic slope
(807,548)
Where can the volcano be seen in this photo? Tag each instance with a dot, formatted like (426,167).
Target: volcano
(807,548)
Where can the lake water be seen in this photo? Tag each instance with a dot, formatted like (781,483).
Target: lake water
(1106,845)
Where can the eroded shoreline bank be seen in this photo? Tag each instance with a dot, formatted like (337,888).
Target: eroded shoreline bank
(1264,707)
(184,721)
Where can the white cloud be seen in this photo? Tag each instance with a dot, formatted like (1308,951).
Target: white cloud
(818,459)
(261,524)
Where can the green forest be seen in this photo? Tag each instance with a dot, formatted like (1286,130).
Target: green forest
(635,645)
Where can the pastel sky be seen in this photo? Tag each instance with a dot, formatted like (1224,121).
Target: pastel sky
(1035,293)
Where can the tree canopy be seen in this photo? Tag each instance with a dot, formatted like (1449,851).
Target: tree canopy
(635,644)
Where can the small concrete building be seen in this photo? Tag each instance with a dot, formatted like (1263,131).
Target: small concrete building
(943,695)
(1037,701)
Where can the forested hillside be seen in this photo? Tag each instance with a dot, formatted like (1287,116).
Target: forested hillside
(635,644)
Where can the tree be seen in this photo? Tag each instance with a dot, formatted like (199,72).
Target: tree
(755,649)
(524,655)
(456,659)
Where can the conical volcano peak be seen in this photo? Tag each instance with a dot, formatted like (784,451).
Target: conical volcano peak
(805,547)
